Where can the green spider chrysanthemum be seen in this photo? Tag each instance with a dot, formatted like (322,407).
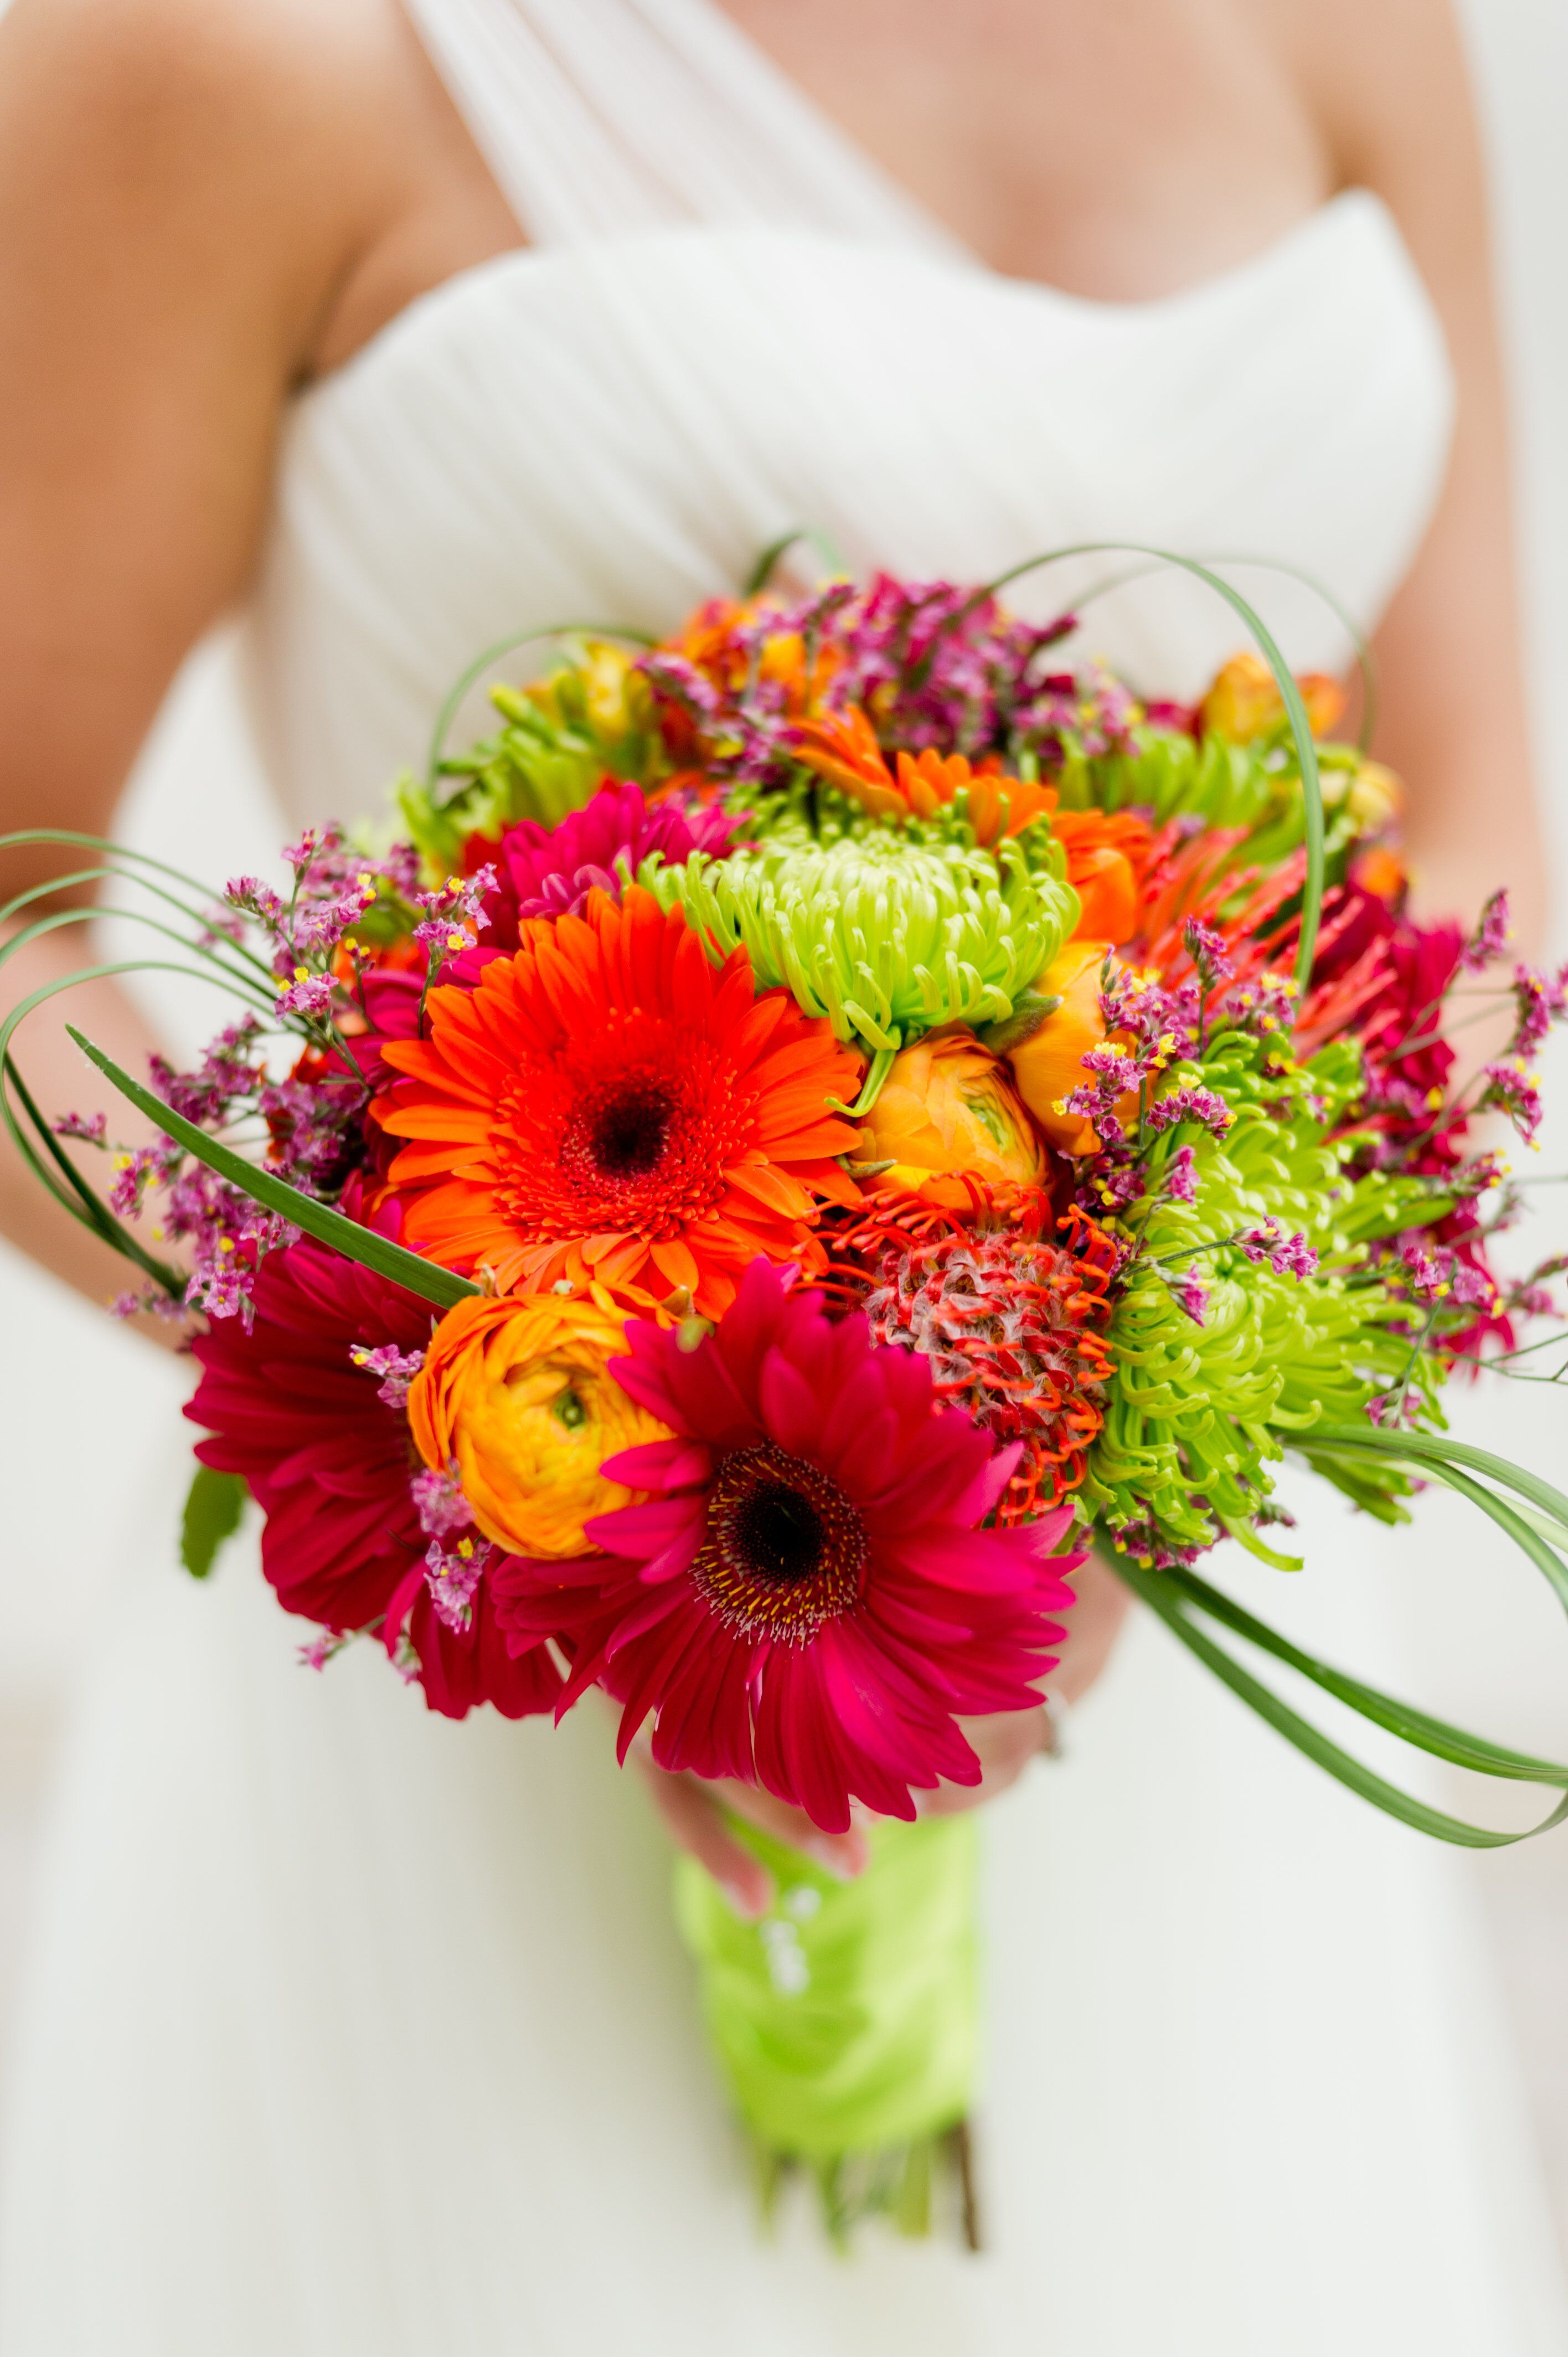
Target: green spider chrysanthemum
(1200,1411)
(887,929)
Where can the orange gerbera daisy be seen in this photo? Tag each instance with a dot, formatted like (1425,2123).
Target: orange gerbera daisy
(606,1104)
(843,746)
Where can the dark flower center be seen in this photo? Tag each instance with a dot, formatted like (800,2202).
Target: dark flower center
(629,1130)
(785,1550)
(777,1532)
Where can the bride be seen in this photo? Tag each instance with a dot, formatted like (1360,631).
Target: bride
(394,331)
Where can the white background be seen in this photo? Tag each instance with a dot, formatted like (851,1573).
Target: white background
(89,1418)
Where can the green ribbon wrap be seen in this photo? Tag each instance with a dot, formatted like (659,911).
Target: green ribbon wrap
(847,2021)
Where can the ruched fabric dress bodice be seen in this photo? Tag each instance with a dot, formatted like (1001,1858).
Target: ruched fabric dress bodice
(355,2033)
(611,431)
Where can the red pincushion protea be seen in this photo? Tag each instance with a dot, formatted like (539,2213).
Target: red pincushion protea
(806,1600)
(1008,1318)
(329,1461)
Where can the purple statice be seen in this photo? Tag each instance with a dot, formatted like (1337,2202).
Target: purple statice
(454,1558)
(934,664)
(1441,1275)
(1539,1000)
(1181,1175)
(1207,951)
(1490,937)
(228,1077)
(1143,1541)
(310,996)
(335,888)
(1286,1256)
(88,1129)
(136,1170)
(397,1370)
(439,1501)
(147,1299)
(452,1575)
(324,1647)
(247,896)
(454,915)
(1163,1023)
(1392,1409)
(1511,1087)
(313,1130)
(1190,1294)
(1190,1101)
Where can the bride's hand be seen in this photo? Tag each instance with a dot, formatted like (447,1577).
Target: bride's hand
(692,1807)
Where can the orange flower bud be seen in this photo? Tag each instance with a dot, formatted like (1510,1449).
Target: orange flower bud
(947,1109)
(516,1390)
(1244,701)
(1106,852)
(1047,1066)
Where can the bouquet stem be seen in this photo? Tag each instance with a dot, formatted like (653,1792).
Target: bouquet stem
(845,2020)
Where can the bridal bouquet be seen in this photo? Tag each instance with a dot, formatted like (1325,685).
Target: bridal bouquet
(812,1122)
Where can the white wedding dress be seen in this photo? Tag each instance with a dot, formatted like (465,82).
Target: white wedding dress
(349,2032)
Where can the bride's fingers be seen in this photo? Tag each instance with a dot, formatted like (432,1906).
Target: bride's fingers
(696,1822)
(1092,1628)
(845,1855)
(1005,1742)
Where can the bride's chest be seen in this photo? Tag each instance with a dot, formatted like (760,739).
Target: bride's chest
(612,434)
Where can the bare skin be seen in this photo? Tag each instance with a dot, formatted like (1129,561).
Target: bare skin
(205,207)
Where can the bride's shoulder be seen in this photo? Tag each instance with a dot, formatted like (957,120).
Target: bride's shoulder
(139,115)
(177,70)
(294,146)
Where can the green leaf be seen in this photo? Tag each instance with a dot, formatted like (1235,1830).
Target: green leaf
(431,1282)
(213,1506)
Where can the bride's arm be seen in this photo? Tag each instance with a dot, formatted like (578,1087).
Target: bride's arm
(1386,80)
(199,206)
(156,276)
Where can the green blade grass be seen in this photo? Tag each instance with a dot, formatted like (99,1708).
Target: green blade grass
(426,1278)
(1285,680)
(1164,1597)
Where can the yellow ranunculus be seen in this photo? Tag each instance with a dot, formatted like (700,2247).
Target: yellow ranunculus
(1047,1066)
(515,1390)
(947,1109)
(1244,700)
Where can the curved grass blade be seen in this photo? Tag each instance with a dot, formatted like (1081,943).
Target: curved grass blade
(76,1196)
(1160,1592)
(830,558)
(1437,1448)
(425,1277)
(1285,680)
(1411,1725)
(481,664)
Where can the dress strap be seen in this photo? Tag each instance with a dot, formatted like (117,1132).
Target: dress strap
(600,118)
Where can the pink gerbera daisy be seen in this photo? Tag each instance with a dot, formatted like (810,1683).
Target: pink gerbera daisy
(328,1461)
(808,1600)
(549,871)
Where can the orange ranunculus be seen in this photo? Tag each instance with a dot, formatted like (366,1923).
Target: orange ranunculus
(1244,700)
(515,1391)
(947,1111)
(1380,872)
(842,747)
(1107,853)
(1047,1066)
